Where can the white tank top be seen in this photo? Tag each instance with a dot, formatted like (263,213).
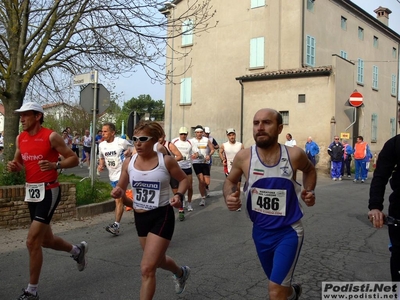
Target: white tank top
(150,188)
(230,151)
(87,141)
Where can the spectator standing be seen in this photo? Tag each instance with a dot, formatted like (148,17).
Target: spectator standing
(188,152)
(290,141)
(1,143)
(360,154)
(87,141)
(149,173)
(347,152)
(312,150)
(200,164)
(273,197)
(76,143)
(335,151)
(98,139)
(112,152)
(388,167)
(67,139)
(37,150)
(367,160)
(207,179)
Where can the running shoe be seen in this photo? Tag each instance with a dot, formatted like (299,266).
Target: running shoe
(207,193)
(202,202)
(239,209)
(181,214)
(180,283)
(362,181)
(28,296)
(297,289)
(189,207)
(113,229)
(80,164)
(80,258)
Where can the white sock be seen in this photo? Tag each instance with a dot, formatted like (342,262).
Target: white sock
(32,289)
(117,223)
(75,250)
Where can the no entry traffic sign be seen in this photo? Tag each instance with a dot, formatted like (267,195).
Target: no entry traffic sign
(356,99)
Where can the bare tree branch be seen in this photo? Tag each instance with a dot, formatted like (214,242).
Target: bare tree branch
(41,39)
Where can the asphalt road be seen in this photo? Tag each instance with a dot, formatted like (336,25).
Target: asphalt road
(339,245)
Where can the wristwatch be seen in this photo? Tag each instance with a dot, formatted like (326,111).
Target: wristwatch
(181,196)
(58,165)
(311,191)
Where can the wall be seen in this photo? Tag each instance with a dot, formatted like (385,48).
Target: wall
(14,211)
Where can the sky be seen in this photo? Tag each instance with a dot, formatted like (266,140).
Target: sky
(139,82)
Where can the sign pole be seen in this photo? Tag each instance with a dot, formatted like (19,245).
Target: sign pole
(94,150)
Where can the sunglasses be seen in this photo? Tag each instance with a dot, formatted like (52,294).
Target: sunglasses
(141,139)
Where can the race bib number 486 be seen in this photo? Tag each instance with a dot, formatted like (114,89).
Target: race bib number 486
(269,201)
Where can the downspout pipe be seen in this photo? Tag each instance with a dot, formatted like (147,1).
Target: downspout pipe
(241,110)
(303,14)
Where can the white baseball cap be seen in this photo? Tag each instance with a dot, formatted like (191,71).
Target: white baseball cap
(207,129)
(230,130)
(30,106)
(183,130)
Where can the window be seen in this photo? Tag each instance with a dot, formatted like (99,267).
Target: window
(361,33)
(257,3)
(302,98)
(310,51)
(343,23)
(343,54)
(393,127)
(310,5)
(187,33)
(186,91)
(376,42)
(375,77)
(360,71)
(374,128)
(394,53)
(285,117)
(257,52)
(394,81)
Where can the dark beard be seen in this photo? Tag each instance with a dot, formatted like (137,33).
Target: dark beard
(264,143)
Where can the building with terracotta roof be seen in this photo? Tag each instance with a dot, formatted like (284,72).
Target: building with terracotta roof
(303,58)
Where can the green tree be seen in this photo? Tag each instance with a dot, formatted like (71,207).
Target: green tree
(143,104)
(43,43)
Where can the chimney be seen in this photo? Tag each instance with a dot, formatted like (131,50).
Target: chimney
(382,14)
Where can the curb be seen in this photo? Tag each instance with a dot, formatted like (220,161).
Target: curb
(95,209)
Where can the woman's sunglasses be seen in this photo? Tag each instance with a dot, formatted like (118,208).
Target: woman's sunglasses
(141,139)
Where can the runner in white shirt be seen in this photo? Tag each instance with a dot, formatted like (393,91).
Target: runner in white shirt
(290,141)
(112,151)
(200,164)
(188,152)
(228,151)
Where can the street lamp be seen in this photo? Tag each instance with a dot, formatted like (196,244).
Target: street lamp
(166,11)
